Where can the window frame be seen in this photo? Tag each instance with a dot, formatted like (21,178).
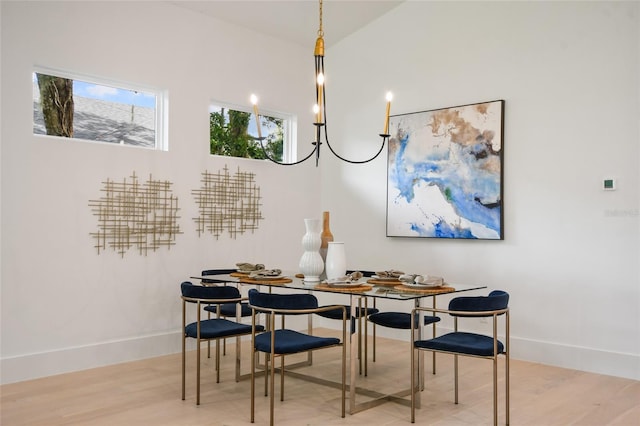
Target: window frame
(161,104)
(289,127)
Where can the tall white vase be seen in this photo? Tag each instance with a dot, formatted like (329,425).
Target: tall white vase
(336,264)
(311,264)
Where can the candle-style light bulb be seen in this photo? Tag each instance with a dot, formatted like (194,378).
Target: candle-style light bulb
(386,117)
(320,81)
(254,102)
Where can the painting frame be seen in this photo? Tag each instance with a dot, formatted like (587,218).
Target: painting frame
(445,173)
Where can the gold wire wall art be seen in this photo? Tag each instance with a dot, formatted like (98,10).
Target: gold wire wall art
(227,203)
(130,214)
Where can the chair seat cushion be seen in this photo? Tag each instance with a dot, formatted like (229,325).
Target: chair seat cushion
(290,342)
(216,328)
(400,320)
(460,342)
(229,309)
(336,314)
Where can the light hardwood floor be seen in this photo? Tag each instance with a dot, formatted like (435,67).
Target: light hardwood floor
(147,392)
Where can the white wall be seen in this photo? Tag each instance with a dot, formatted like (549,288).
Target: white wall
(569,74)
(64,307)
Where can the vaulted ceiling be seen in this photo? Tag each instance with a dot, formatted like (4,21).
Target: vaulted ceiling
(295,20)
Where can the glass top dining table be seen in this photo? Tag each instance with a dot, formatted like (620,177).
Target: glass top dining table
(359,293)
(364,287)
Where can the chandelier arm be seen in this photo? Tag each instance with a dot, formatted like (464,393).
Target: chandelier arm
(316,148)
(326,137)
(320,68)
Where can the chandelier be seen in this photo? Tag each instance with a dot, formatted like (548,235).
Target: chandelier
(320,112)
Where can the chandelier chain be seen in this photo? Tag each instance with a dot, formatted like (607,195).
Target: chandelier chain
(321,111)
(320,31)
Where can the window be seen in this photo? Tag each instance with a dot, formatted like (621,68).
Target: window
(233,133)
(72,106)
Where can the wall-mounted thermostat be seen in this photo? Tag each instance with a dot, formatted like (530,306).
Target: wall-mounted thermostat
(609,184)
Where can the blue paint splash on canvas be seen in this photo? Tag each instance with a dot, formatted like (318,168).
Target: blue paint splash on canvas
(458,170)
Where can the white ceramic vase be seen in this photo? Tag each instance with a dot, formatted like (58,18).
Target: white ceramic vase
(311,264)
(336,264)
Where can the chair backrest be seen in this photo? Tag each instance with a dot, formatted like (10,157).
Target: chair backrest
(217,271)
(208,293)
(495,301)
(364,273)
(282,301)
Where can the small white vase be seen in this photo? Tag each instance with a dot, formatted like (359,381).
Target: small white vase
(336,264)
(311,264)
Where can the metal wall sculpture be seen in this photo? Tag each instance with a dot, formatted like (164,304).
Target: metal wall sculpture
(227,203)
(133,214)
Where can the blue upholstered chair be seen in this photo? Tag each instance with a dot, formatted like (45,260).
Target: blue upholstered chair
(225,309)
(459,343)
(225,271)
(400,321)
(212,328)
(284,341)
(362,312)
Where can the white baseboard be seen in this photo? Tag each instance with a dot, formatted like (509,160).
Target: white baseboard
(591,360)
(32,366)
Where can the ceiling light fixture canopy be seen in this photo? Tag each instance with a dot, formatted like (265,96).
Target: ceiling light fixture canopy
(320,111)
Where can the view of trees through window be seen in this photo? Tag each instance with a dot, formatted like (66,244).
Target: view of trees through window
(89,109)
(233,133)
(74,108)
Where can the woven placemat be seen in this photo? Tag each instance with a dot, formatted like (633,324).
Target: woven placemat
(359,288)
(247,280)
(429,290)
(239,274)
(384,283)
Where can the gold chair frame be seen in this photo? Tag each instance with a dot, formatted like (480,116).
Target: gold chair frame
(494,315)
(200,303)
(269,372)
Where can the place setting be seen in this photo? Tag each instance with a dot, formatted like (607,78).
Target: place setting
(245,268)
(390,278)
(417,283)
(258,274)
(349,282)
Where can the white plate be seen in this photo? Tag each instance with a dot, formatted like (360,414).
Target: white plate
(414,285)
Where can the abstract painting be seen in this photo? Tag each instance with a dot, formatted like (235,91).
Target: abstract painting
(445,170)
